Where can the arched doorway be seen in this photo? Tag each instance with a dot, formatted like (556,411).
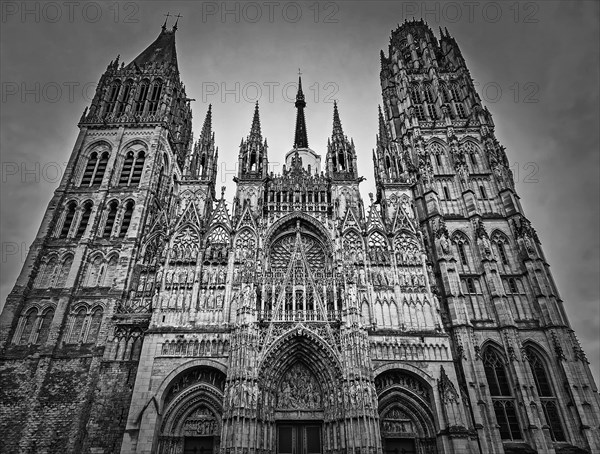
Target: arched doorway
(406,417)
(299,411)
(191,423)
(300,385)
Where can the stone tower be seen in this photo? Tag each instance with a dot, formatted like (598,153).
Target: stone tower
(519,363)
(151,317)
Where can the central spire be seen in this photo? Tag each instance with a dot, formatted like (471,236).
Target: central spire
(300,138)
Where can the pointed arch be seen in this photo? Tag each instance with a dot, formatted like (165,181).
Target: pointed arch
(70,209)
(501,385)
(28,324)
(86,213)
(45,325)
(95,262)
(405,404)
(314,223)
(128,207)
(245,243)
(65,267)
(541,367)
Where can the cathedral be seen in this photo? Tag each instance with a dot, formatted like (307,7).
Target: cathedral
(152,316)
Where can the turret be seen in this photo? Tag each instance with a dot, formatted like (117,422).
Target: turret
(253,161)
(202,163)
(341,153)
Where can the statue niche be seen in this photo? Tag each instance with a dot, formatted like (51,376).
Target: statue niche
(299,390)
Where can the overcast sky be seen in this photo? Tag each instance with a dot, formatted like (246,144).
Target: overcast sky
(537,66)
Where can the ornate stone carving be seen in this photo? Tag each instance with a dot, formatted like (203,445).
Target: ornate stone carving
(299,389)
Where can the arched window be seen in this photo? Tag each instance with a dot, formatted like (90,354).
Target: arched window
(455,91)
(482,191)
(45,325)
(473,158)
(113,96)
(138,167)
(512,286)
(142,94)
(109,274)
(125,96)
(133,166)
(100,169)
(470,285)
(462,247)
(502,252)
(66,227)
(93,272)
(475,303)
(63,274)
(430,101)
(28,324)
(546,393)
(415,99)
(50,271)
(78,326)
(458,100)
(446,193)
(95,169)
(95,322)
(85,219)
(502,397)
(388,165)
(127,167)
(126,219)
(90,169)
(501,242)
(445,95)
(110,219)
(462,253)
(155,96)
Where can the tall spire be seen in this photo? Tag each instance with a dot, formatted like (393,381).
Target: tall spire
(338,133)
(300,138)
(206,133)
(255,129)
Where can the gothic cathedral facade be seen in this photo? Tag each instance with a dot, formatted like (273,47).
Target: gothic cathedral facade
(151,317)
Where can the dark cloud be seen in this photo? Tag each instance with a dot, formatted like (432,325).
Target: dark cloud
(548,54)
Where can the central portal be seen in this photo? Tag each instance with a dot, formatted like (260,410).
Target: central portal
(299,438)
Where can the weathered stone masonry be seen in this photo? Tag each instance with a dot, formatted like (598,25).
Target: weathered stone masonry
(152,317)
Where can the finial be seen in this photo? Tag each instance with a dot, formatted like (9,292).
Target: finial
(371,196)
(223,191)
(164,26)
(176,22)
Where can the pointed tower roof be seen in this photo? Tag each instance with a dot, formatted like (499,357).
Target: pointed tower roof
(300,137)
(338,133)
(162,50)
(255,131)
(206,134)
